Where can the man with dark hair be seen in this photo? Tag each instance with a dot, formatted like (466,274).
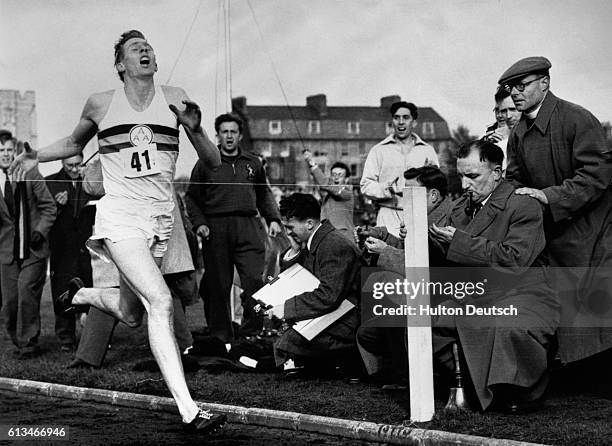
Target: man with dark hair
(332,259)
(500,236)
(506,117)
(387,161)
(223,203)
(137,128)
(70,231)
(27,212)
(558,155)
(337,201)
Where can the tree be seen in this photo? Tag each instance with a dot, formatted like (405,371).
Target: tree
(462,135)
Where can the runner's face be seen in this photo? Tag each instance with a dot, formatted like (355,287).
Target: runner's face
(138,58)
(229,136)
(7,152)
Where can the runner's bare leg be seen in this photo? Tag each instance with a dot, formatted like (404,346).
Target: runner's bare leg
(138,268)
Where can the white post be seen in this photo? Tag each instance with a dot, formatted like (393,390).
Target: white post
(420,355)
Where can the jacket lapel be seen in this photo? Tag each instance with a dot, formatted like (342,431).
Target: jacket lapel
(490,210)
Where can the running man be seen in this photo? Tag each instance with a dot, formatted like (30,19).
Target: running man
(137,129)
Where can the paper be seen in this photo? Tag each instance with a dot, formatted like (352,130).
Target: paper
(291,282)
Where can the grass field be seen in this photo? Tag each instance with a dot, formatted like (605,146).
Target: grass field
(578,410)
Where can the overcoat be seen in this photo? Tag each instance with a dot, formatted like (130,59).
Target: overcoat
(565,154)
(506,239)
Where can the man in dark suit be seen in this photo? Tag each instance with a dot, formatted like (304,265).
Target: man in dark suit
(27,212)
(69,256)
(558,154)
(334,260)
(500,236)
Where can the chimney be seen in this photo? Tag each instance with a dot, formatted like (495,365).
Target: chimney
(386,101)
(319,103)
(239,105)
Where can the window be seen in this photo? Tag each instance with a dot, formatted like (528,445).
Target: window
(285,151)
(314,127)
(344,150)
(354,170)
(428,130)
(274,127)
(388,128)
(353,128)
(266,149)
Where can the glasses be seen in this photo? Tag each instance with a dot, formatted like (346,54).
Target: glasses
(521,85)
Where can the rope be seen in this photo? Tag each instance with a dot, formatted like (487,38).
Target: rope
(195,16)
(280,84)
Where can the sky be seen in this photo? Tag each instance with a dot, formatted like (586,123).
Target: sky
(445,54)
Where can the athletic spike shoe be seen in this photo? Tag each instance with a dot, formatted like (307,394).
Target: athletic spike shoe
(65,299)
(207,422)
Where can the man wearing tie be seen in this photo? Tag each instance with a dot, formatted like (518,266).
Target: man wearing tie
(69,257)
(27,212)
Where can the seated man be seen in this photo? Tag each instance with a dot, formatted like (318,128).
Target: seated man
(494,229)
(334,260)
(377,343)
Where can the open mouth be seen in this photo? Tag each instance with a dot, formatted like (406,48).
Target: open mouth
(145,61)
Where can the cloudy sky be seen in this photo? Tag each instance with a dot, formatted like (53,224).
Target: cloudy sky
(446,54)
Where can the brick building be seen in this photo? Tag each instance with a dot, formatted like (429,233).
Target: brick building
(343,133)
(18,115)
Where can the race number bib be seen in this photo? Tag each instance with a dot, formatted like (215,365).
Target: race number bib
(139,161)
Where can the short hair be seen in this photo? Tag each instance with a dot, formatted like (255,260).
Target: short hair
(429,176)
(501,94)
(228,117)
(487,150)
(5,135)
(300,206)
(131,34)
(340,165)
(414,111)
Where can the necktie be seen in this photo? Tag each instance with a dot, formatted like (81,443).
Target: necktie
(9,196)
(476,208)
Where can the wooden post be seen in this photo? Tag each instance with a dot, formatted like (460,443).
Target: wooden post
(420,355)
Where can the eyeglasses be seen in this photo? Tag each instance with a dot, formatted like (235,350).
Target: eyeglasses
(521,85)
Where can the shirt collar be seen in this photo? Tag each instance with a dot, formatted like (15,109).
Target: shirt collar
(533,114)
(416,139)
(309,242)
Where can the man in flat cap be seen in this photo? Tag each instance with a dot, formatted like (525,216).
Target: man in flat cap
(557,153)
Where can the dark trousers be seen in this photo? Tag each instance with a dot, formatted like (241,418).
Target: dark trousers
(22,285)
(99,327)
(234,241)
(67,262)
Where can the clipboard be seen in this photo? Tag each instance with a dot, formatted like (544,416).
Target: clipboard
(293,281)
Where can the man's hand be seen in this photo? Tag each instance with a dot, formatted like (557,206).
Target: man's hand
(25,161)
(390,187)
(62,197)
(307,155)
(278,311)
(274,229)
(442,234)
(533,193)
(403,231)
(37,240)
(190,118)
(203,232)
(375,245)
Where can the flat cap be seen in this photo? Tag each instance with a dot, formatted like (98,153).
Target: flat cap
(528,65)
